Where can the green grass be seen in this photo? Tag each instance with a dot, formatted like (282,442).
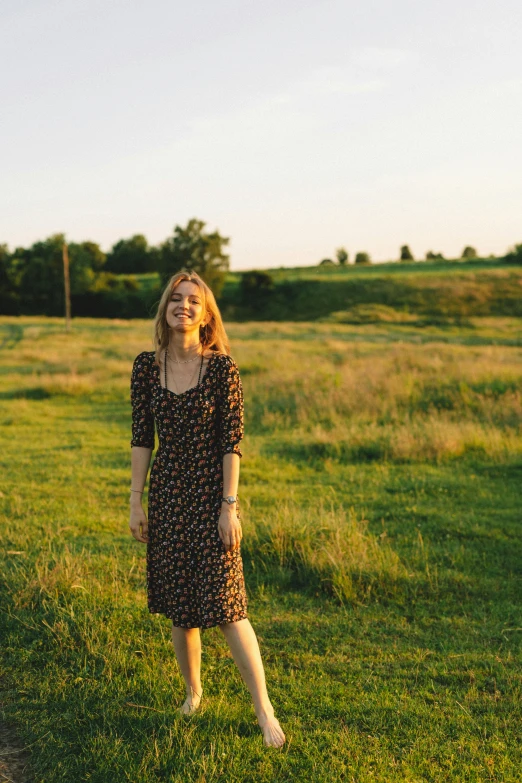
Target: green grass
(418,292)
(449,267)
(383,577)
(383,293)
(402,268)
(147,280)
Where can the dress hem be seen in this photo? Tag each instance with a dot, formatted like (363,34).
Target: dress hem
(213,624)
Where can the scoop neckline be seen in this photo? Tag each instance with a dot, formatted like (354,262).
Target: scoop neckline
(201,381)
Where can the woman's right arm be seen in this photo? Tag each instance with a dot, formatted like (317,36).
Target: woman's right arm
(142,443)
(140,461)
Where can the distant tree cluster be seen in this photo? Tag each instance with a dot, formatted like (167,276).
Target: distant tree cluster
(31,279)
(193,248)
(190,247)
(406,255)
(343,258)
(132,256)
(514,255)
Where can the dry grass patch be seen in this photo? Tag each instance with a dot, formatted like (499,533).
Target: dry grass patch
(325,546)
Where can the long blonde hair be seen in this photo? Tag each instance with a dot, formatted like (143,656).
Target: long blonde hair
(213,335)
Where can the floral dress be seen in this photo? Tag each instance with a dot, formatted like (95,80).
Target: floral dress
(191,578)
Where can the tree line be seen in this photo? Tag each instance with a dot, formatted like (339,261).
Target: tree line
(105,284)
(405,254)
(32,279)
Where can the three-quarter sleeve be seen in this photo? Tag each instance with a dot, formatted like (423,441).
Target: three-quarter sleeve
(231,409)
(140,395)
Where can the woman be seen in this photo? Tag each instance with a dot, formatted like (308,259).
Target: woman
(191,388)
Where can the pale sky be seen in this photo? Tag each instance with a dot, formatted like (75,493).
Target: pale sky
(292,126)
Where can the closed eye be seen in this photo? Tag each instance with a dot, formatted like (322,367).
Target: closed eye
(177,298)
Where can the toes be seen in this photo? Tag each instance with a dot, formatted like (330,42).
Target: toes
(273,734)
(189,707)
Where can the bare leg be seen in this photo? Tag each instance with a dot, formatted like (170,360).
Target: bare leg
(244,647)
(187,644)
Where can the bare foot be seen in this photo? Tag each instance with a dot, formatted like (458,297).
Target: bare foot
(273,734)
(191,703)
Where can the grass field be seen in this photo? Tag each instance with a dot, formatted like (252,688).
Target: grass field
(380,488)
(404,268)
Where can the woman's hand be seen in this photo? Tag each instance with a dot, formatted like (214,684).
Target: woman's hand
(139,527)
(229,527)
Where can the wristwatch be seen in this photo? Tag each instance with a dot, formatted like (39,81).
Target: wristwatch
(230,499)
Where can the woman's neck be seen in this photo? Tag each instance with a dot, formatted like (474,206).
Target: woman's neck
(184,346)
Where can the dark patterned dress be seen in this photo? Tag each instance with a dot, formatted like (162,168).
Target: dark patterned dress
(191,578)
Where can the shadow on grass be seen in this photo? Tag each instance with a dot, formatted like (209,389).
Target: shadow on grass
(35,393)
(10,335)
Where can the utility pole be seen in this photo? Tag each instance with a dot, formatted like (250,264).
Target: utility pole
(67,288)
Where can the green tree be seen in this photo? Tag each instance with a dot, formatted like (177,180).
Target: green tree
(469,252)
(362,258)
(194,249)
(256,289)
(131,256)
(514,255)
(406,254)
(431,256)
(327,262)
(342,256)
(9,304)
(38,273)
(87,256)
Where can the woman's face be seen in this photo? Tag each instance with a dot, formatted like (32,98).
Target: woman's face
(185,310)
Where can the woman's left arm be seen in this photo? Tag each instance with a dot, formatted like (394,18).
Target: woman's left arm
(232,427)
(229,526)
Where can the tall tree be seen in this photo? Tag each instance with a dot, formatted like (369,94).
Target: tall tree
(194,249)
(8,289)
(514,254)
(406,254)
(39,273)
(342,256)
(469,252)
(93,256)
(130,256)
